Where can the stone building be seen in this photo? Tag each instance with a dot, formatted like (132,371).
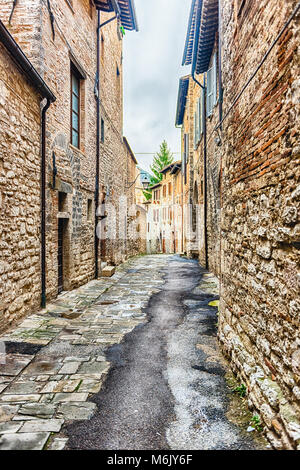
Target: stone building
(136,212)
(164,213)
(188,118)
(76,47)
(20,174)
(248,55)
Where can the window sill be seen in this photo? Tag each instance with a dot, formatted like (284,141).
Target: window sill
(76,149)
(70,6)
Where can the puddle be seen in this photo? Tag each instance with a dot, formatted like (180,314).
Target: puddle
(12,347)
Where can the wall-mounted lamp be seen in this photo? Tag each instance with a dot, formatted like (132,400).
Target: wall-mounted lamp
(144,180)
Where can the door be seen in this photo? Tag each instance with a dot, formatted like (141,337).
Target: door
(60,255)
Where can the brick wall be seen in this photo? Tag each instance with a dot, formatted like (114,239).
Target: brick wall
(71,197)
(259,317)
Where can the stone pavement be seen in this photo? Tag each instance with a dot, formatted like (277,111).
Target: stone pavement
(54,360)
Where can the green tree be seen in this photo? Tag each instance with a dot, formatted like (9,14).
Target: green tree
(162,159)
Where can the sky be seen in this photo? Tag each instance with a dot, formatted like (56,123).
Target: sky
(152,68)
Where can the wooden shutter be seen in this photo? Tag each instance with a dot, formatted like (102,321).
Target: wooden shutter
(195,130)
(214,78)
(202,112)
(209,92)
(199,118)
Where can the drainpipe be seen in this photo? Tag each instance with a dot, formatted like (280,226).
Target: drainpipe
(97,92)
(220,64)
(43,205)
(205,172)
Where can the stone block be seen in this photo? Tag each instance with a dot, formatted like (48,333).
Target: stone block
(108,271)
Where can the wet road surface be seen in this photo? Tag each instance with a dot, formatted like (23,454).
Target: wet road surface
(166,386)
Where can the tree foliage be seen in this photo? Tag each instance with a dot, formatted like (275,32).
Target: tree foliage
(162,159)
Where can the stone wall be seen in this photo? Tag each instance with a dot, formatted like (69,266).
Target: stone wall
(260,309)
(71,194)
(20,286)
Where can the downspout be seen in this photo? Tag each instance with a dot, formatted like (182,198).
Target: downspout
(97,93)
(205,172)
(220,64)
(43,206)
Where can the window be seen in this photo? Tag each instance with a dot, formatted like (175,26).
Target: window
(164,191)
(198,122)
(118,78)
(239,6)
(157,195)
(170,189)
(62,202)
(75,108)
(211,76)
(102,49)
(185,154)
(102,130)
(89,209)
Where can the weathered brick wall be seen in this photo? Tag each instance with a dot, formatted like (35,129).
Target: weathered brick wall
(259,313)
(20,286)
(75,40)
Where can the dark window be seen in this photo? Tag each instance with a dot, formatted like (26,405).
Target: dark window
(118,84)
(102,130)
(62,202)
(240,6)
(89,209)
(102,48)
(75,108)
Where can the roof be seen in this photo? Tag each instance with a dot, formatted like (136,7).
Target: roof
(181,99)
(170,167)
(24,64)
(130,150)
(202,28)
(205,39)
(176,167)
(127,11)
(189,43)
(155,186)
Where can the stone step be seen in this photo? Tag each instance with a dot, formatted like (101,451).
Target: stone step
(108,271)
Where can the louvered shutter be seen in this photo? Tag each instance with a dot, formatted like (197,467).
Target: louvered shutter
(209,93)
(199,118)
(195,130)
(214,78)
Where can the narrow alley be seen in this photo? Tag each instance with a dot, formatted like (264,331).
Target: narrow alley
(129,362)
(150,228)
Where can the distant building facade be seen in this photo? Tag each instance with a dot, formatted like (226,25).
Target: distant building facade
(164,212)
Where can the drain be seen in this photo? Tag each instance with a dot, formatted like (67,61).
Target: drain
(108,302)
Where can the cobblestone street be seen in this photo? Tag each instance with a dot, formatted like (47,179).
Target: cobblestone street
(128,362)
